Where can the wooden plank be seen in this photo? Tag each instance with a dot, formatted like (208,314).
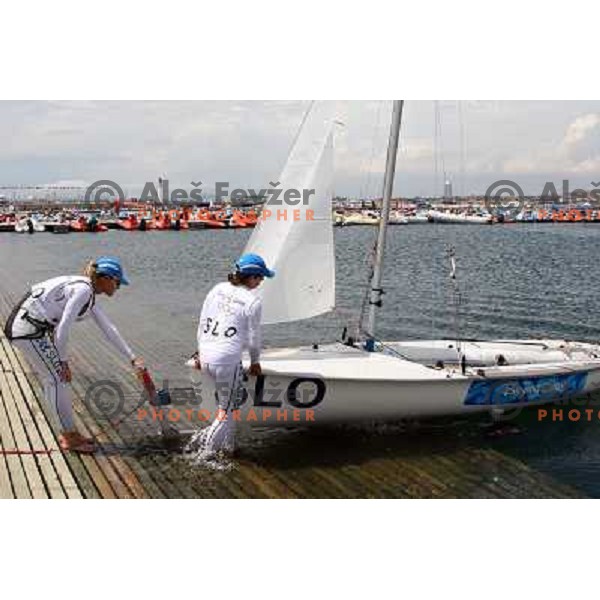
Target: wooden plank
(104,479)
(47,471)
(137,476)
(13,461)
(105,473)
(55,468)
(125,473)
(77,480)
(6,490)
(72,472)
(152,471)
(34,478)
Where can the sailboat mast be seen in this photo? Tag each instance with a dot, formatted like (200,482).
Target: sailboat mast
(388,183)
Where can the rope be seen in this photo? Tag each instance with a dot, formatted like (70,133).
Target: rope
(367,296)
(372,157)
(463,149)
(456,296)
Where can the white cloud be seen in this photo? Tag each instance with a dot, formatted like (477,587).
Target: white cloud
(246,142)
(579,129)
(577,152)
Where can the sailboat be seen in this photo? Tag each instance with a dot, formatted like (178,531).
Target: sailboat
(366,379)
(439,216)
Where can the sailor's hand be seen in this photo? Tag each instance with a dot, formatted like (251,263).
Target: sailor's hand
(65,372)
(255,370)
(138,365)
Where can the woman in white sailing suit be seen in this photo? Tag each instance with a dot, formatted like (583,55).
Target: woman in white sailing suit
(40,324)
(229,324)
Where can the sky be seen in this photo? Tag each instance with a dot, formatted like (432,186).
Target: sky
(246,143)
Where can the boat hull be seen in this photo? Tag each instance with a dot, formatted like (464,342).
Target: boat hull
(337,384)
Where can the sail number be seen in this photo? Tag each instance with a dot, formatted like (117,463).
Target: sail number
(302,392)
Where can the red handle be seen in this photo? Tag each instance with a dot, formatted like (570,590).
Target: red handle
(148,385)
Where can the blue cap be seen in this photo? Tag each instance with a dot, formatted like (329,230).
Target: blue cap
(111,267)
(252,264)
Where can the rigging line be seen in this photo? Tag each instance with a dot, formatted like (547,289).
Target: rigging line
(373,145)
(456,296)
(439,147)
(435,149)
(300,127)
(390,349)
(462,141)
(370,257)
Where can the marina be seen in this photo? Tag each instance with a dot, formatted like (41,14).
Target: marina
(68,219)
(74,218)
(456,457)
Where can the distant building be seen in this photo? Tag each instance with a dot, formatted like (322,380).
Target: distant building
(448,190)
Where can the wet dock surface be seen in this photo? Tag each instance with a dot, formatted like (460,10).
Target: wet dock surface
(403,460)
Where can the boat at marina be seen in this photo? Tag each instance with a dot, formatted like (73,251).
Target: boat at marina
(438,216)
(129,223)
(7,226)
(167,223)
(360,218)
(419,218)
(207,222)
(360,377)
(398,218)
(87,225)
(29,225)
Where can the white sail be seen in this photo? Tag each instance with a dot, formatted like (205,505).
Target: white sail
(297,240)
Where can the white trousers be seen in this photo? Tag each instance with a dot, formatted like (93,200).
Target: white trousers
(220,435)
(43,356)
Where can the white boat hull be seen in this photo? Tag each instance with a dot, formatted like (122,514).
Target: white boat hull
(442,217)
(417,220)
(337,383)
(23,227)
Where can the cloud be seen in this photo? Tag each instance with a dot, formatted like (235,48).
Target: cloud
(577,152)
(246,143)
(580,128)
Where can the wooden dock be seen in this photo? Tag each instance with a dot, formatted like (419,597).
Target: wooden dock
(324,463)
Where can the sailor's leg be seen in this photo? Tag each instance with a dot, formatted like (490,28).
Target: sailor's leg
(44,358)
(235,401)
(221,433)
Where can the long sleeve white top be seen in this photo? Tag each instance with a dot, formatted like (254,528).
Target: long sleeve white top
(229,324)
(63,300)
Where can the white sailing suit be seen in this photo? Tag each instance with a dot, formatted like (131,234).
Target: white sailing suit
(229,325)
(40,325)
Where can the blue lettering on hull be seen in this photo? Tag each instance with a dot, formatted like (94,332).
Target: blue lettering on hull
(521,391)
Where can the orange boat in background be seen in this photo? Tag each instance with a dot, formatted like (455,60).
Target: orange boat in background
(130,223)
(83,225)
(249,219)
(167,223)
